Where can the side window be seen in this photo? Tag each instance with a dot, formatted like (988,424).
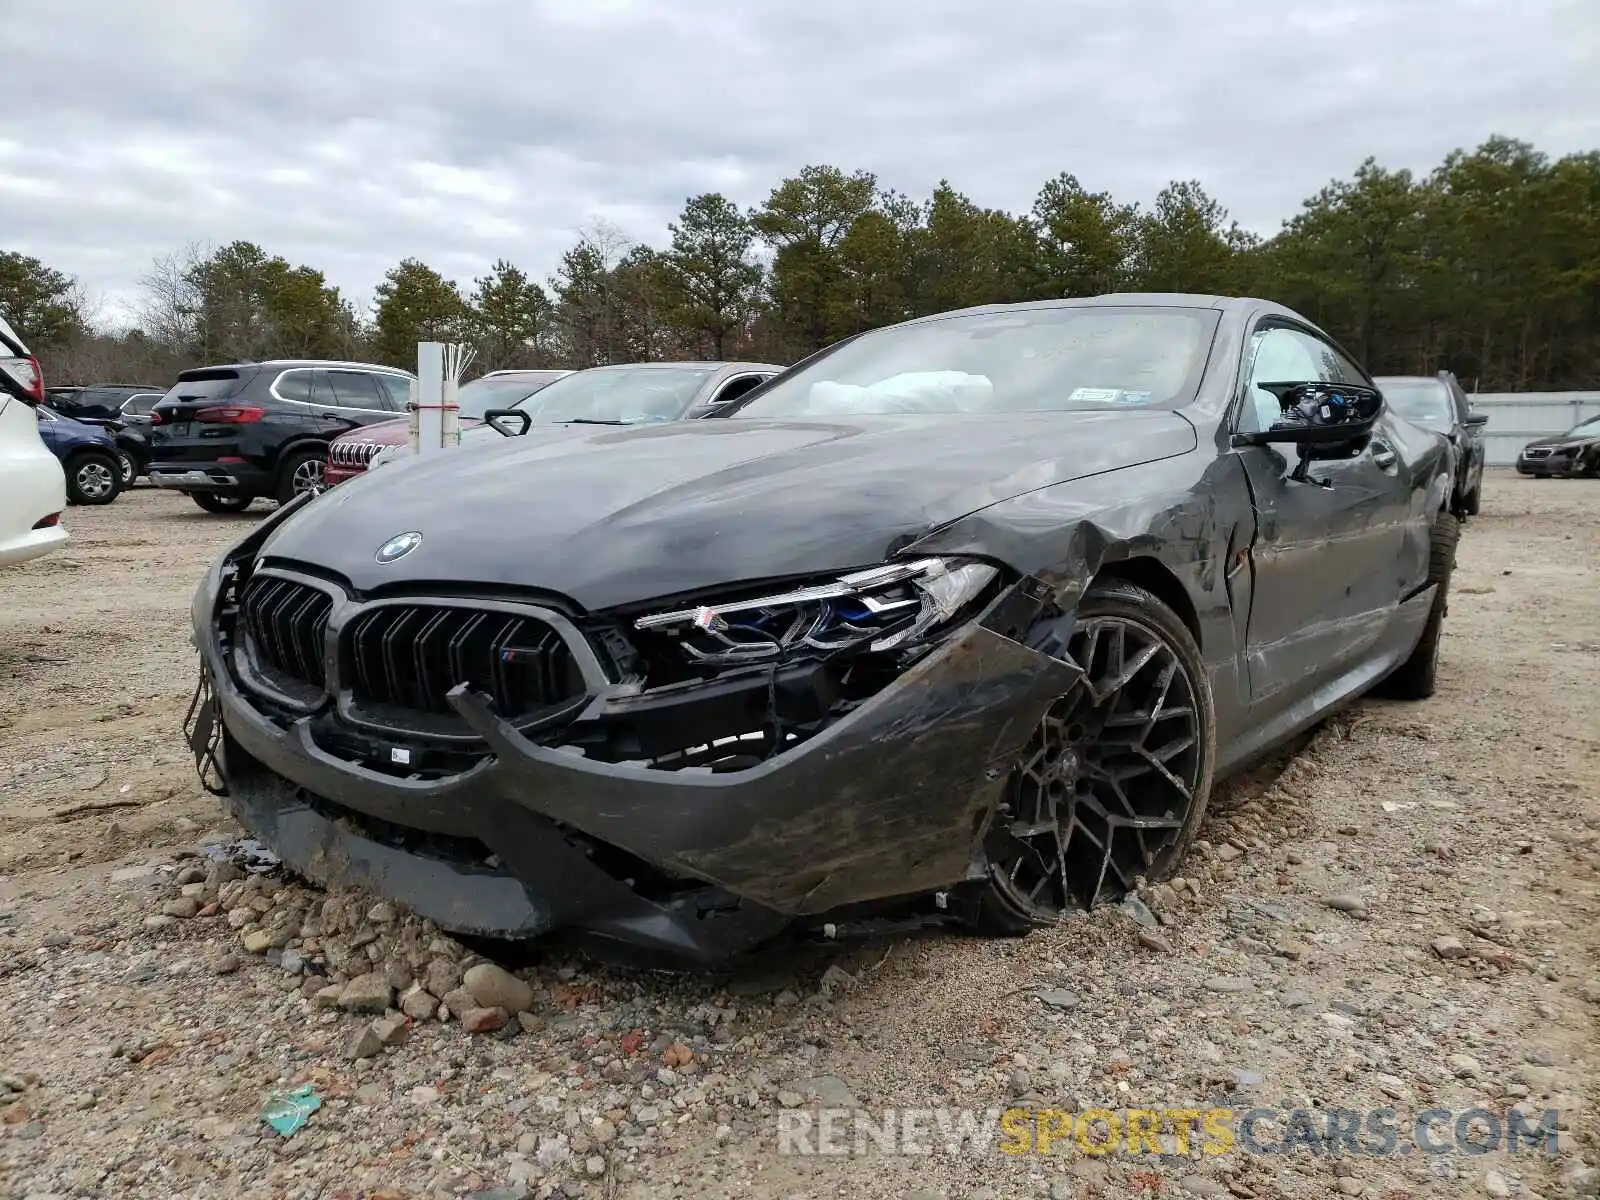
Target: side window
(398,390)
(355,389)
(294,385)
(322,390)
(738,386)
(1279,354)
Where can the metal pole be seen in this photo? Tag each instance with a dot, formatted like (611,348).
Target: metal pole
(430,397)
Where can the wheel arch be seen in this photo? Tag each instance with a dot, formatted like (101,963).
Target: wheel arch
(1155,577)
(299,445)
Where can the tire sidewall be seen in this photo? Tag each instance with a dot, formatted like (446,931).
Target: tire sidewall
(286,473)
(1051,636)
(78,462)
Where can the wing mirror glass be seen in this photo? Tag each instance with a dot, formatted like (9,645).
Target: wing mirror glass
(1318,414)
(1477,420)
(499,420)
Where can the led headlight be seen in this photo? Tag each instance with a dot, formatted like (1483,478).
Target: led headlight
(877,609)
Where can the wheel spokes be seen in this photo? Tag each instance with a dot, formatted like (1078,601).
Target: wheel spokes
(1108,780)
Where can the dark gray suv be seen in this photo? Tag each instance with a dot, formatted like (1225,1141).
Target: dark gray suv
(226,435)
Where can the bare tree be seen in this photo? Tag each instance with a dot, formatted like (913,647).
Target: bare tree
(170,310)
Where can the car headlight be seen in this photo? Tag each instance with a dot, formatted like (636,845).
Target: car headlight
(387,454)
(880,608)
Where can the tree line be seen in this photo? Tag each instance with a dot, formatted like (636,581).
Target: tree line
(1489,266)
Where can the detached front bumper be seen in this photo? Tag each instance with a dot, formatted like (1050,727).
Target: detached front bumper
(888,801)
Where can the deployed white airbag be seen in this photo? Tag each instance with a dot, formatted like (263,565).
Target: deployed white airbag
(910,391)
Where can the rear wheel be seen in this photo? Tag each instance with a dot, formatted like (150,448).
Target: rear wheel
(1415,678)
(127,468)
(300,472)
(1114,781)
(221,502)
(93,478)
(1474,501)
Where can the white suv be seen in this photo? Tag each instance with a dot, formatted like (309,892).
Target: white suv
(33,487)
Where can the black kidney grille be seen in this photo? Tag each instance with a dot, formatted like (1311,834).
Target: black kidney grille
(287,622)
(410,656)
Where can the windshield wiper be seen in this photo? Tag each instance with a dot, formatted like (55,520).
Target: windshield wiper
(592,421)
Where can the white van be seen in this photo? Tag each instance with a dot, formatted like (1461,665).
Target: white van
(33,487)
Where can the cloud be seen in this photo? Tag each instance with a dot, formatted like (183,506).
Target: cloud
(346,134)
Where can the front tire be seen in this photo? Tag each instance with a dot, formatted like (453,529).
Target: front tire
(1474,501)
(1416,678)
(93,478)
(1114,782)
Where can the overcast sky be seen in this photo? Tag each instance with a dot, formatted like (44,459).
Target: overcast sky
(348,133)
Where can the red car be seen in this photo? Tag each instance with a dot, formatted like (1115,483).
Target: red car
(349,453)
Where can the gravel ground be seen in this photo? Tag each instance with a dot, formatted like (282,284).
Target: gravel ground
(1401,913)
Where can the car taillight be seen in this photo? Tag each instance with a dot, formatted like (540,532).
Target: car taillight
(230,414)
(26,373)
(155,417)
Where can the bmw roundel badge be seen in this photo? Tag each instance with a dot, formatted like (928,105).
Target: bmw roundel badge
(399,546)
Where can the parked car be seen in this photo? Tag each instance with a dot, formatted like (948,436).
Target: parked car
(225,435)
(117,408)
(1575,452)
(963,615)
(349,453)
(88,455)
(622,394)
(33,489)
(1439,402)
(97,402)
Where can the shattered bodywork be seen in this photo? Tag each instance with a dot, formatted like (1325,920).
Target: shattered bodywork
(679,686)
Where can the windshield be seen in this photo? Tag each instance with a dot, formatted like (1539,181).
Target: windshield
(627,395)
(1589,428)
(1019,360)
(1425,401)
(479,396)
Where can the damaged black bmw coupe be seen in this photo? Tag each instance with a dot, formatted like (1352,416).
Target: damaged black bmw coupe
(960,618)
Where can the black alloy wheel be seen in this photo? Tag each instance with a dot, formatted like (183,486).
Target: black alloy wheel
(1114,782)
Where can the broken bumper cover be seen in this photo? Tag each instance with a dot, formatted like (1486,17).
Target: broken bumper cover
(889,801)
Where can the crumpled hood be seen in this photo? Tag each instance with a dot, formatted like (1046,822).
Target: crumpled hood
(608,516)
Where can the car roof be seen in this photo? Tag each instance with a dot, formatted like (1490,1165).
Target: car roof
(282,363)
(1227,304)
(688,364)
(105,387)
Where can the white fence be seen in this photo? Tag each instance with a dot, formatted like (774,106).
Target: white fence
(1516,418)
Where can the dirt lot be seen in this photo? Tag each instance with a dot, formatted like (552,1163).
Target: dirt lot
(1456,967)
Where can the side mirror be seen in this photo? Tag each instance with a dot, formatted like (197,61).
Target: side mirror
(1477,420)
(495,416)
(1318,415)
